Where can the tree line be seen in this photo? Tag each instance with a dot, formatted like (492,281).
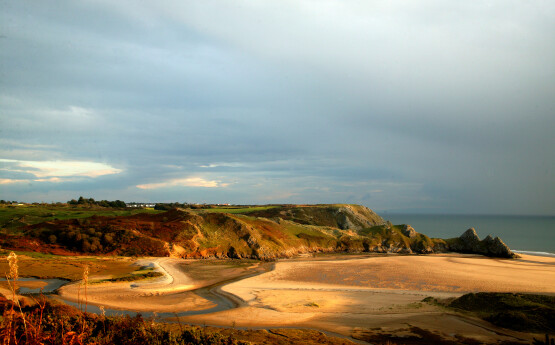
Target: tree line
(92,202)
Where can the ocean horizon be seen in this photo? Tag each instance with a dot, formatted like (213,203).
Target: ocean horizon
(525,234)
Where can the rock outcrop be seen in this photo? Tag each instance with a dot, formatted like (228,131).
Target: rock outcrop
(469,242)
(409,231)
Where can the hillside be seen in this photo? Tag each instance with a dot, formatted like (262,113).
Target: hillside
(251,232)
(354,217)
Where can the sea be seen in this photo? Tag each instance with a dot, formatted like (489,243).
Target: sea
(525,234)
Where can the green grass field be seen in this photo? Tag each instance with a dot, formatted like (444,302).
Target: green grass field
(240,210)
(15,216)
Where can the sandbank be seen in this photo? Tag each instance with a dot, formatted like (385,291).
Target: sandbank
(170,293)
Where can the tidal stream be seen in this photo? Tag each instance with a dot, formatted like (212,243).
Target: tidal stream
(213,293)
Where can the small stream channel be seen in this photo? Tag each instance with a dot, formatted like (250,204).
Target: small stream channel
(52,285)
(213,293)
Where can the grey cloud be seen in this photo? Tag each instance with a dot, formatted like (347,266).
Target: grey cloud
(440,106)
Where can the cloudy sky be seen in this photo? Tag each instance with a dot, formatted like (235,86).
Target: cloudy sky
(404,106)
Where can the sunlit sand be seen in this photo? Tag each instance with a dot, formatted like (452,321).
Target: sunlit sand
(342,294)
(380,292)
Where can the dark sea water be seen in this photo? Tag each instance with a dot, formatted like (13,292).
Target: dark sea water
(520,233)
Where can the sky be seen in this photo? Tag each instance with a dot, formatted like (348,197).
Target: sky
(427,106)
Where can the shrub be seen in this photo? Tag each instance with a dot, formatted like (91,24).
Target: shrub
(52,239)
(85,245)
(521,312)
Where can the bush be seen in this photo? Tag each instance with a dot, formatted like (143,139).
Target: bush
(52,239)
(85,246)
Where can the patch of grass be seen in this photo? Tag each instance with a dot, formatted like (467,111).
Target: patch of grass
(134,277)
(13,217)
(414,305)
(521,312)
(70,268)
(243,263)
(34,255)
(438,303)
(240,210)
(412,336)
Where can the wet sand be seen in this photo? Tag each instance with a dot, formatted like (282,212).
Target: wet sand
(170,293)
(174,292)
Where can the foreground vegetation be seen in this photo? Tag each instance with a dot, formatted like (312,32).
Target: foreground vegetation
(47,323)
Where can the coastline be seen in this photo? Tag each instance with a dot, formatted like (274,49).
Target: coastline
(524,232)
(534,253)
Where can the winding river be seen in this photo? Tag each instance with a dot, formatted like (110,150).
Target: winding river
(213,293)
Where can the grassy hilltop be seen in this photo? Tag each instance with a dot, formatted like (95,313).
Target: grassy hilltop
(258,232)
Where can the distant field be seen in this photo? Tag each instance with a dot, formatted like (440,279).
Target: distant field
(54,266)
(241,210)
(14,216)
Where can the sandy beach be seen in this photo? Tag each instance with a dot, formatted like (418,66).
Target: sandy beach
(384,292)
(342,294)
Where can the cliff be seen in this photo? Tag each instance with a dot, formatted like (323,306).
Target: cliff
(354,217)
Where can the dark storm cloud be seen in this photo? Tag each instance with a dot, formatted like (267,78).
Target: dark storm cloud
(440,107)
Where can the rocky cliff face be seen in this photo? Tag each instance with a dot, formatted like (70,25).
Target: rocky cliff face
(469,242)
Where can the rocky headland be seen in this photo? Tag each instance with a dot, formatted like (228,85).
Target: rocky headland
(265,233)
(469,242)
